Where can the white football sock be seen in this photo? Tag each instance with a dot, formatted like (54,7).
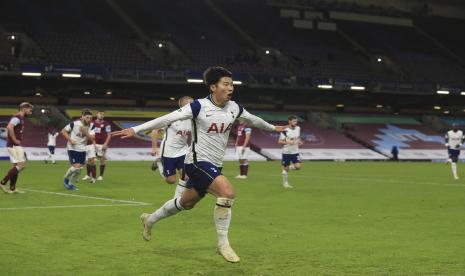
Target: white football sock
(160,168)
(222,217)
(180,188)
(74,178)
(69,172)
(285,176)
(171,207)
(454,169)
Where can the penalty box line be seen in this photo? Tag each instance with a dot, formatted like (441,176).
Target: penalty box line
(129,202)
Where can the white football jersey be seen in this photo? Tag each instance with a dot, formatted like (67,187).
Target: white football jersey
(74,130)
(454,139)
(52,139)
(211,125)
(174,143)
(291,135)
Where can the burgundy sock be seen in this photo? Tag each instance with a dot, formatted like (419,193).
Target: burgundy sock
(89,170)
(102,169)
(13,182)
(246,169)
(93,171)
(13,171)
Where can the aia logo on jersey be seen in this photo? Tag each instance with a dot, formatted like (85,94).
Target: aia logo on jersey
(218,129)
(183,132)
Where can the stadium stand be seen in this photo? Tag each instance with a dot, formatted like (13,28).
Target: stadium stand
(414,140)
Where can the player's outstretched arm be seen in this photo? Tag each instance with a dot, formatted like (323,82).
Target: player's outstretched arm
(181,114)
(260,123)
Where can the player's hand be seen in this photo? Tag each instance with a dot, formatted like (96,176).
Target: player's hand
(17,143)
(243,150)
(72,142)
(154,152)
(300,143)
(104,147)
(280,128)
(125,133)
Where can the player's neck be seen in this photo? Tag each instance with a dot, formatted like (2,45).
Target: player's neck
(216,101)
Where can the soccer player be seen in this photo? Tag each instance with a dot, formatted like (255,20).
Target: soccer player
(454,140)
(98,148)
(244,133)
(51,144)
(77,133)
(290,139)
(174,148)
(212,118)
(16,152)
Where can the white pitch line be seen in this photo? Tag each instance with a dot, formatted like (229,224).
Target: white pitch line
(68,206)
(373,180)
(89,197)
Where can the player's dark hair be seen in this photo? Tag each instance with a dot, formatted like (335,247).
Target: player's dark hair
(292,117)
(25,105)
(86,112)
(213,75)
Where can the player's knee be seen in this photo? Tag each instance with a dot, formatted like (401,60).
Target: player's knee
(229,194)
(298,166)
(188,205)
(170,179)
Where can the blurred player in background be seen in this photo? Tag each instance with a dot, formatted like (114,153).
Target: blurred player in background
(212,118)
(290,139)
(244,133)
(454,141)
(97,149)
(15,130)
(51,144)
(77,133)
(174,148)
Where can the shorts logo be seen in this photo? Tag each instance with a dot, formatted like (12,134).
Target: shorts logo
(213,169)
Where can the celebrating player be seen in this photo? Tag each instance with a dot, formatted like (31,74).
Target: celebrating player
(16,152)
(290,139)
(242,149)
(174,148)
(77,133)
(98,148)
(454,140)
(51,144)
(212,118)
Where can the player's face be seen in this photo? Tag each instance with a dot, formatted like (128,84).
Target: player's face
(28,111)
(86,119)
(100,115)
(223,89)
(293,122)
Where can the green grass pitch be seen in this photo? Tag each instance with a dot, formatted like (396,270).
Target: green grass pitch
(341,218)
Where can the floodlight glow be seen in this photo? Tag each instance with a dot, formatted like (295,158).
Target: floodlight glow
(237,82)
(325,86)
(355,87)
(443,92)
(31,74)
(194,81)
(68,75)
(437,107)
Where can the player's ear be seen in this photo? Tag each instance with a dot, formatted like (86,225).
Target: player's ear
(212,87)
